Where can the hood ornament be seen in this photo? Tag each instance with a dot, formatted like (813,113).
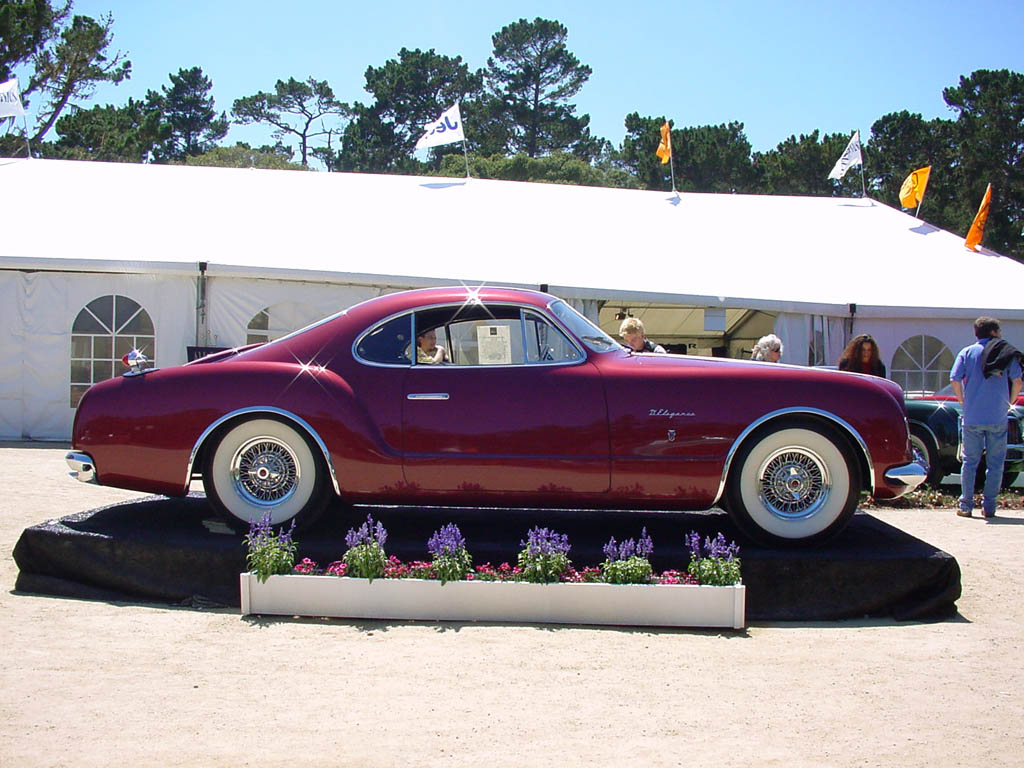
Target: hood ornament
(136,361)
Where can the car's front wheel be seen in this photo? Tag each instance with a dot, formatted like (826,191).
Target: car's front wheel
(265,467)
(925,446)
(793,485)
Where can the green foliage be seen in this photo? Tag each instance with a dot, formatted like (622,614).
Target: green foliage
(112,134)
(707,158)
(293,109)
(989,132)
(453,567)
(556,168)
(269,552)
(715,571)
(543,568)
(25,28)
(242,155)
(633,570)
(65,60)
(187,108)
(529,80)
(366,560)
(800,166)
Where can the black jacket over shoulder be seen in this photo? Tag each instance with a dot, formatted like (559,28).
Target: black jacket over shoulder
(998,354)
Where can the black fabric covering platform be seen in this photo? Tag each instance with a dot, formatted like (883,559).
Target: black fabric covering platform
(175,550)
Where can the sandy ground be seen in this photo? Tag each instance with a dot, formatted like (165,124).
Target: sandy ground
(107,684)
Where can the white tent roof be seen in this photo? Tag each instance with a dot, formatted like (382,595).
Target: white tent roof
(795,254)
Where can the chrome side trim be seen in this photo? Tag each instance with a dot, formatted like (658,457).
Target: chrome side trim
(257,409)
(82,467)
(909,475)
(792,412)
(427,396)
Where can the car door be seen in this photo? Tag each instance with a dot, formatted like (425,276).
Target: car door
(517,408)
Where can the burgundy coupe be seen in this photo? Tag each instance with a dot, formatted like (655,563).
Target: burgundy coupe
(527,404)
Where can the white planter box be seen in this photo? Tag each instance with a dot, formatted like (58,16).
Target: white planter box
(661,605)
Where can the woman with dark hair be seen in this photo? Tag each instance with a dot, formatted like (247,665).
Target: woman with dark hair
(861,356)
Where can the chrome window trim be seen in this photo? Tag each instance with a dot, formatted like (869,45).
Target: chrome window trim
(791,412)
(263,409)
(544,312)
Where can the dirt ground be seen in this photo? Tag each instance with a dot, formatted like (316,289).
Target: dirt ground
(108,684)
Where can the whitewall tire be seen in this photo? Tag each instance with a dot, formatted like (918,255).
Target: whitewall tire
(796,484)
(262,466)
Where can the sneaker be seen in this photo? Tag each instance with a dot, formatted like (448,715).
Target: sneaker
(963,513)
(988,514)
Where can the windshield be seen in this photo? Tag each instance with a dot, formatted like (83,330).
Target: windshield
(588,333)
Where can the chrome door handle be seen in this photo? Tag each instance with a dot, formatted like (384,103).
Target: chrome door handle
(427,396)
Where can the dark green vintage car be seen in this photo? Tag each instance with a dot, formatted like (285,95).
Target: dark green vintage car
(935,432)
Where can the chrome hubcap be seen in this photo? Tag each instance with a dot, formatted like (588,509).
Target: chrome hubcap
(264,471)
(793,483)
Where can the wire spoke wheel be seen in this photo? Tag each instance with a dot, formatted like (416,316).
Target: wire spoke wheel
(264,466)
(794,482)
(265,471)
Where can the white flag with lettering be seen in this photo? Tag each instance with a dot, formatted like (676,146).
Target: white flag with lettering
(851,156)
(446,129)
(10,99)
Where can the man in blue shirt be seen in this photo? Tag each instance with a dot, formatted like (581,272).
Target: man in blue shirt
(985,393)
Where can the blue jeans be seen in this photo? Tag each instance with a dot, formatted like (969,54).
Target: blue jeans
(990,439)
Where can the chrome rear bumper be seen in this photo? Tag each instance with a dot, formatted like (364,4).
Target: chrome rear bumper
(906,478)
(82,467)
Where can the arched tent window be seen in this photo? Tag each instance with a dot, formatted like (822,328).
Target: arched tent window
(921,364)
(105,331)
(279,320)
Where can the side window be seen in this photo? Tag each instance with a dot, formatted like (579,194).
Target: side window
(495,336)
(486,342)
(547,344)
(103,332)
(389,343)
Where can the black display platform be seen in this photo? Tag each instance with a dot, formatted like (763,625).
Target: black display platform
(175,550)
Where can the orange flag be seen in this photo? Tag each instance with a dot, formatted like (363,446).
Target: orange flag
(913,187)
(664,150)
(978,227)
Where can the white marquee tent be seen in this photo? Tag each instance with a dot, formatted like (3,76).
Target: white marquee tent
(235,243)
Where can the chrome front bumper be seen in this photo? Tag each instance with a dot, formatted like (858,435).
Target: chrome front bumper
(82,467)
(909,476)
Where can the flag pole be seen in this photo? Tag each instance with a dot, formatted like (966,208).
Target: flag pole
(465,154)
(27,147)
(863,164)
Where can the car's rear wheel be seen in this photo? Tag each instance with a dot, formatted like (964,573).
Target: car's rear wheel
(265,467)
(793,485)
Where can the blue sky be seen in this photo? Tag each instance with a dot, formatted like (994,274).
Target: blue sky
(781,68)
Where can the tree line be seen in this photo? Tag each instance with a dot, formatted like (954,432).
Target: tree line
(521,124)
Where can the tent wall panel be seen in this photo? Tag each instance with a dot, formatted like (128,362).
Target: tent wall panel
(232,303)
(52,301)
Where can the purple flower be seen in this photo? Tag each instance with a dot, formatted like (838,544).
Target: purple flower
(367,533)
(629,548)
(716,548)
(447,541)
(543,541)
(645,546)
(611,549)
